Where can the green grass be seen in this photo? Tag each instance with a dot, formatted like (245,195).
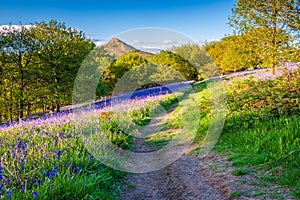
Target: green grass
(261,129)
(236,194)
(240,171)
(160,139)
(31,165)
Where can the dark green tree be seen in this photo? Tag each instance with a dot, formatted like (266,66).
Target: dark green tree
(62,50)
(17,52)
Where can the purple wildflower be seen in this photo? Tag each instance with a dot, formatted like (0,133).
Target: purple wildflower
(78,169)
(48,175)
(54,171)
(22,189)
(57,153)
(8,194)
(59,134)
(1,173)
(19,143)
(35,195)
(69,165)
(21,161)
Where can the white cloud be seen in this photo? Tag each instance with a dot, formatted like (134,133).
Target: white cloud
(6,28)
(99,43)
(155,45)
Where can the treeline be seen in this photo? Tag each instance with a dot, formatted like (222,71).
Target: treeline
(38,65)
(266,34)
(164,67)
(249,51)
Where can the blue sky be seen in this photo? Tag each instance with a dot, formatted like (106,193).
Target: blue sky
(198,19)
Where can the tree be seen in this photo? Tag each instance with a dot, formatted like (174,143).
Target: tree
(178,63)
(17,52)
(198,57)
(61,53)
(235,53)
(119,67)
(277,18)
(193,53)
(88,85)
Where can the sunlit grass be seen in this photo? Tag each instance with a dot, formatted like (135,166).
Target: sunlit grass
(262,127)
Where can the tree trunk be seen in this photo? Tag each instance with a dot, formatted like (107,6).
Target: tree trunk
(272,70)
(57,107)
(10,114)
(21,112)
(274,40)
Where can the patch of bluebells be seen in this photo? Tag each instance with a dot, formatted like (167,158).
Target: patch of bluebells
(8,194)
(26,148)
(35,146)
(1,173)
(35,195)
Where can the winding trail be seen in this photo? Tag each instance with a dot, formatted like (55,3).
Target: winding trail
(183,179)
(191,177)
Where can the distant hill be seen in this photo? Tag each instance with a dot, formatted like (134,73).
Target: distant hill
(116,48)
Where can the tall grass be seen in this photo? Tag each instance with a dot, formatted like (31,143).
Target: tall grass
(262,127)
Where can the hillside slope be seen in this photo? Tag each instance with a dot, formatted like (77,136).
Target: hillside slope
(116,48)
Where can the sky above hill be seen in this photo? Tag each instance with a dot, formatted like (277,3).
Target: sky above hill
(199,20)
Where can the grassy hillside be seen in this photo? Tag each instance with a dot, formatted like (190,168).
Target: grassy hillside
(261,130)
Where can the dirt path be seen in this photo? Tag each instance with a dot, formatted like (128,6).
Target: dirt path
(183,179)
(209,178)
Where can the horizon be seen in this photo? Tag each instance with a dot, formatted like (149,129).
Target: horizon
(136,39)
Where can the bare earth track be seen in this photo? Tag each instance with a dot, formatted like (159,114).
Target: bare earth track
(181,180)
(208,178)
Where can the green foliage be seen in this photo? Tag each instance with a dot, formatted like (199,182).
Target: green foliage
(120,66)
(53,159)
(61,53)
(132,71)
(239,172)
(87,79)
(199,58)
(101,90)
(278,19)
(17,50)
(262,127)
(236,53)
(141,116)
(38,66)
(176,62)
